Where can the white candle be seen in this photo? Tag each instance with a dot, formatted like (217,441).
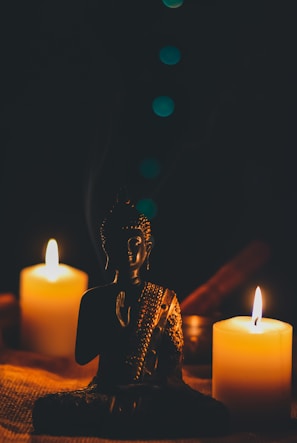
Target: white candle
(50,295)
(252,368)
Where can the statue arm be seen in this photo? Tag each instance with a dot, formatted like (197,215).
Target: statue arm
(86,348)
(174,340)
(174,326)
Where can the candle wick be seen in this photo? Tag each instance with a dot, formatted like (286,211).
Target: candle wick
(256,321)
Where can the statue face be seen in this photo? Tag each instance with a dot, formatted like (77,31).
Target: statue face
(127,251)
(136,251)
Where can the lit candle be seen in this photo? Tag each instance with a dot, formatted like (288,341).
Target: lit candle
(50,295)
(252,368)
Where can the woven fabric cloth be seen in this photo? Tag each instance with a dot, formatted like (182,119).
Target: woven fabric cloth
(23,378)
(26,376)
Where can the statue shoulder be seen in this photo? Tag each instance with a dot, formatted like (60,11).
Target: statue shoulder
(97,294)
(171,293)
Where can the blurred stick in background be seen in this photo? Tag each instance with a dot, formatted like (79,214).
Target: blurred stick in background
(208,297)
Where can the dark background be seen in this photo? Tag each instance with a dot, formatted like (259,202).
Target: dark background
(79,79)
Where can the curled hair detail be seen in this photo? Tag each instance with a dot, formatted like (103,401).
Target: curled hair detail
(124,216)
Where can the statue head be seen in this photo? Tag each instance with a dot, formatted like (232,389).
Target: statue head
(126,237)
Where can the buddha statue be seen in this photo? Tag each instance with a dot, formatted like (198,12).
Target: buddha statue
(135,327)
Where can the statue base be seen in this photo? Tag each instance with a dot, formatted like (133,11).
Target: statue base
(131,412)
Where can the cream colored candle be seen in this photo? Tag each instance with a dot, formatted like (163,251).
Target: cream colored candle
(252,368)
(50,295)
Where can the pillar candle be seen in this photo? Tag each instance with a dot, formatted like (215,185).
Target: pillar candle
(50,295)
(252,368)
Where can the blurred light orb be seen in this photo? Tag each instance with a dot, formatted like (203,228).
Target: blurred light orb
(173,3)
(150,168)
(170,55)
(148,207)
(163,106)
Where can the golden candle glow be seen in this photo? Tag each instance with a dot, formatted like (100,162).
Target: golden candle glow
(50,295)
(52,260)
(257,309)
(252,367)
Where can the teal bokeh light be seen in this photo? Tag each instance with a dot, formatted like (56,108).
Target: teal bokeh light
(169,55)
(163,106)
(173,3)
(150,168)
(148,207)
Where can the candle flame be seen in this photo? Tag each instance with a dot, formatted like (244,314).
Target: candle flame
(52,260)
(257,308)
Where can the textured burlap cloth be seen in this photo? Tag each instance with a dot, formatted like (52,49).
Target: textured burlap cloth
(25,376)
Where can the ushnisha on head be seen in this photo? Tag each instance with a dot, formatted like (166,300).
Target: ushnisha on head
(126,239)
